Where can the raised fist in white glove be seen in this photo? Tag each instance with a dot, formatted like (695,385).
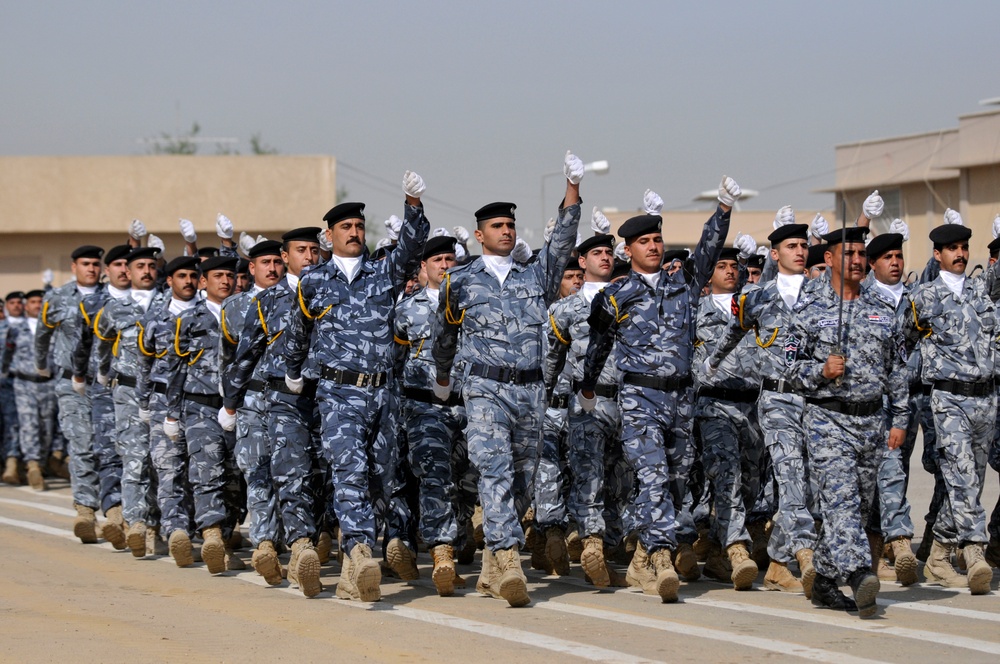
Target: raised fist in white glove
(996,226)
(586,404)
(187,231)
(79,386)
(459,253)
(413,184)
(324,241)
(901,227)
(47,276)
(171,429)
(572,168)
(953,217)
(442,392)
(156,243)
(461,234)
(246,243)
(440,231)
(784,217)
(729,191)
(599,223)
(874,205)
(137,230)
(393,226)
(620,251)
(746,244)
(651,202)
(521,251)
(819,226)
(227,420)
(295,385)
(383,243)
(261,238)
(550,226)
(223,227)
(763,251)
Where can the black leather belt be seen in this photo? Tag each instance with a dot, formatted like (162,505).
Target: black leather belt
(663,384)
(964,389)
(506,374)
(279,385)
(127,381)
(67,374)
(36,378)
(353,378)
(601,390)
(160,388)
(855,408)
(256,386)
(736,396)
(920,388)
(780,386)
(210,400)
(427,396)
(559,401)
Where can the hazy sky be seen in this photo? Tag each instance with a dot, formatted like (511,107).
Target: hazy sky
(482,99)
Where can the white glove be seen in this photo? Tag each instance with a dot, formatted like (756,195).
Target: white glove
(620,251)
(442,392)
(80,387)
(324,241)
(47,276)
(137,230)
(294,384)
(393,226)
(729,191)
(762,251)
(572,168)
(521,252)
(651,202)
(246,243)
(819,226)
(383,243)
(226,421)
(440,231)
(586,404)
(461,234)
(145,415)
(44,373)
(413,184)
(459,253)
(260,238)
(223,227)
(708,369)
(102,379)
(953,217)
(171,429)
(996,226)
(187,231)
(874,205)
(155,243)
(599,223)
(746,244)
(550,226)
(901,227)
(784,217)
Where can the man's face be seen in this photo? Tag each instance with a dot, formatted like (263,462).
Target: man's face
(218,285)
(724,277)
(436,266)
(15,307)
(242,282)
(646,252)
(32,307)
(347,237)
(571,282)
(117,272)
(267,270)
(953,257)
(791,255)
(888,267)
(855,263)
(598,264)
(142,273)
(817,270)
(753,275)
(299,254)
(183,284)
(497,236)
(87,271)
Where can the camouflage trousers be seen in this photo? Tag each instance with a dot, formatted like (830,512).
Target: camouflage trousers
(109,463)
(993,527)
(732,451)
(293,430)
(921,404)
(215,481)
(170,462)
(433,431)
(504,435)
(253,457)
(359,443)
(9,425)
(551,475)
(657,429)
(138,477)
(36,415)
(780,418)
(891,512)
(964,427)
(844,453)
(76,424)
(466,480)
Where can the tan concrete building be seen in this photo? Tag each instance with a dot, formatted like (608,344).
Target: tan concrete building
(51,205)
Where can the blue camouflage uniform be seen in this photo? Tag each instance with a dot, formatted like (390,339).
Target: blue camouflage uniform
(551,475)
(34,395)
(9,444)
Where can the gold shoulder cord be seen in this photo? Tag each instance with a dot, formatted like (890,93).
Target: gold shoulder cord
(302,306)
(614,303)
(142,346)
(769,341)
(916,321)
(83,310)
(45,316)
(449,316)
(555,331)
(222,324)
(263,324)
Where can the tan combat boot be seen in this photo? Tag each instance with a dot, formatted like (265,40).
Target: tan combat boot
(938,568)
(35,479)
(324,545)
(593,562)
(477,527)
(778,577)
(906,562)
(136,539)
(360,576)
(806,570)
(640,572)
(979,575)
(401,560)
(556,550)
(702,545)
(574,546)
(717,565)
(443,574)
(265,561)
(303,567)
(235,541)
(10,474)
(155,544)
(744,568)
(213,551)
(489,580)
(686,562)
(113,529)
(513,584)
(667,581)
(233,562)
(179,545)
(534,540)
(876,545)
(59,464)
(85,524)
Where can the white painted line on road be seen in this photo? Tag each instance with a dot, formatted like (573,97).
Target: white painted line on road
(941,610)
(39,528)
(63,511)
(65,497)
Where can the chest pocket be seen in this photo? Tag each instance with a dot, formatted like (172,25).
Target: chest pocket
(529,304)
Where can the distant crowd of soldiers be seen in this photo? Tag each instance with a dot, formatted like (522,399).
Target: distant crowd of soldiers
(592,402)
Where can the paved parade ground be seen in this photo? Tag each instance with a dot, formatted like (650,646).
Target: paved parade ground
(64,601)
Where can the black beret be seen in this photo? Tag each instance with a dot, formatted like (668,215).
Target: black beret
(949,233)
(729,254)
(182,263)
(265,248)
(994,246)
(304,234)
(815,256)
(756,261)
(208,252)
(38,292)
(494,210)
(883,243)
(854,234)
(87,251)
(572,266)
(599,240)
(227,263)
(621,269)
(14,295)
(143,252)
(442,244)
(644,224)
(117,253)
(382,252)
(800,231)
(243,267)
(344,211)
(675,255)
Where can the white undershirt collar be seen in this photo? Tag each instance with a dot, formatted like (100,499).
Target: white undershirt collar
(434,295)
(118,293)
(651,279)
(789,286)
(216,309)
(592,288)
(143,298)
(86,290)
(179,306)
(723,302)
(349,266)
(893,292)
(293,280)
(499,266)
(954,282)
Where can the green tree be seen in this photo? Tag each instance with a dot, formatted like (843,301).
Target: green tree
(177,144)
(257,146)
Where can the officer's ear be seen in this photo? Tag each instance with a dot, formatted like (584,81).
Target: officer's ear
(478,234)
(937,255)
(202,282)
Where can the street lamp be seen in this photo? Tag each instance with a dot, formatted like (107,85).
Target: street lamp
(599,167)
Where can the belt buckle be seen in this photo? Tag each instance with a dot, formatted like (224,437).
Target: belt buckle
(362,379)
